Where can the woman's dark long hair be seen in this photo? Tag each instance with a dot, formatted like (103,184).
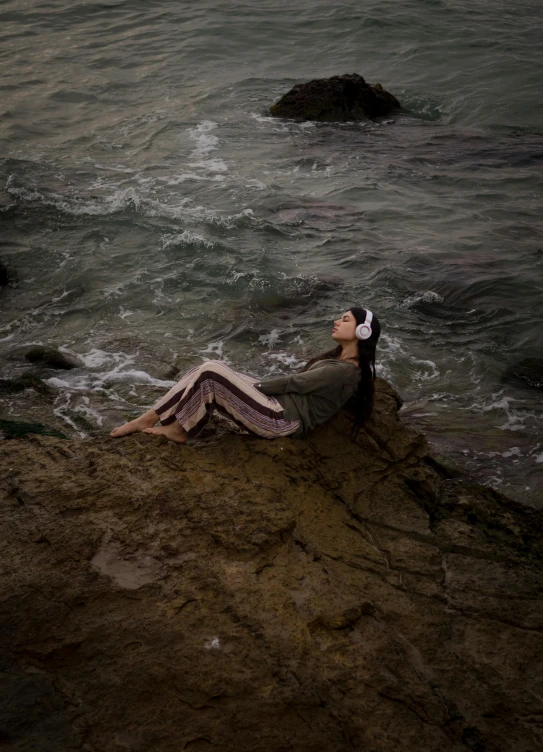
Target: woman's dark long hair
(361,403)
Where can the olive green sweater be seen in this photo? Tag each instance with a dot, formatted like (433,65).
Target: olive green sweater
(314,395)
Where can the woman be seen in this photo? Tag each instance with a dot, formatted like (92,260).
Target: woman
(281,406)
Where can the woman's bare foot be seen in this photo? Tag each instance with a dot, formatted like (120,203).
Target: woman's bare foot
(173,432)
(147,420)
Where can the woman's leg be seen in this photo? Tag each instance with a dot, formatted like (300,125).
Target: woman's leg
(151,417)
(144,421)
(214,385)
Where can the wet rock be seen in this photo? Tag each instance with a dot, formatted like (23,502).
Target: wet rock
(171,373)
(256,596)
(50,357)
(7,277)
(528,372)
(81,422)
(337,99)
(15,429)
(25,381)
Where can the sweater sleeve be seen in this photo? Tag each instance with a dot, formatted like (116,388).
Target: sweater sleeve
(302,383)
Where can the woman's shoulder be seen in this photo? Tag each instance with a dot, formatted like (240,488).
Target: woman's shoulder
(334,363)
(339,371)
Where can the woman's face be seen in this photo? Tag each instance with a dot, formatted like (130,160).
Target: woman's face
(344,328)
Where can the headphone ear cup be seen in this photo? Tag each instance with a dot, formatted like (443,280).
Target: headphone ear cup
(363,331)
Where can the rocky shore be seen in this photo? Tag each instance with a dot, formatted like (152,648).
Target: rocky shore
(241,594)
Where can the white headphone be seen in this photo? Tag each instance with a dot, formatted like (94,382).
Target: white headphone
(363,331)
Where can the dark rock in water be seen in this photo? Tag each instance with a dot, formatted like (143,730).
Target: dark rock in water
(247,595)
(171,373)
(335,100)
(528,372)
(48,356)
(15,429)
(5,276)
(25,381)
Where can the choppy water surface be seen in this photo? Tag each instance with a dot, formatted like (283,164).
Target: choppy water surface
(155,216)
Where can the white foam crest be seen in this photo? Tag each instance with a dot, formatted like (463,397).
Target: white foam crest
(383,371)
(270,339)
(422,297)
(191,176)
(205,140)
(57,383)
(121,199)
(132,377)
(61,296)
(77,383)
(185,238)
(516,420)
(67,257)
(87,411)
(280,124)
(513,423)
(513,452)
(287,359)
(97,358)
(214,348)
(115,168)
(213,165)
(263,118)
(196,214)
(59,412)
(229,221)
(500,402)
(390,344)
(258,184)
(538,458)
(432,371)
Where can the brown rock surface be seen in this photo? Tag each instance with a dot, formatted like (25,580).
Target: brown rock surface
(263,596)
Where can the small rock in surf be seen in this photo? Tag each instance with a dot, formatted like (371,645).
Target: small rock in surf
(338,99)
(48,356)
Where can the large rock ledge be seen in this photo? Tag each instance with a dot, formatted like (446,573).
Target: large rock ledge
(251,595)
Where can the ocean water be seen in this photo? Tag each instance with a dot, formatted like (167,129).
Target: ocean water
(154,216)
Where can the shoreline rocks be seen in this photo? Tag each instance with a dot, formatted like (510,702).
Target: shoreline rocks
(256,595)
(22,382)
(337,99)
(8,277)
(17,429)
(50,357)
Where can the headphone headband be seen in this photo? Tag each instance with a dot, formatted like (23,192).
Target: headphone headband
(364,331)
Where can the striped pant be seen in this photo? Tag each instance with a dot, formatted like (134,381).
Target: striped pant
(214,385)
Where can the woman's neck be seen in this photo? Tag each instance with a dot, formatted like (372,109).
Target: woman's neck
(349,352)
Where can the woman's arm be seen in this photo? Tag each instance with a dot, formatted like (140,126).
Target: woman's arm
(315,380)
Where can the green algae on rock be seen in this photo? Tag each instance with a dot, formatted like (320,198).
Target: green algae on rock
(16,429)
(22,382)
